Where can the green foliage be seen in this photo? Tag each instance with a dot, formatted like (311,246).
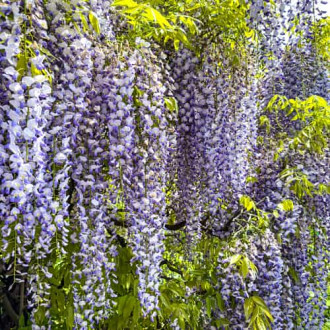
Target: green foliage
(293,274)
(327,312)
(312,114)
(264,121)
(257,313)
(182,22)
(300,185)
(179,275)
(251,179)
(171,104)
(245,265)
(94,22)
(149,22)
(128,310)
(321,31)
(24,60)
(258,219)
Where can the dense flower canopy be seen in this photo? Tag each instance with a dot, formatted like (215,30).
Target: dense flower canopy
(164,164)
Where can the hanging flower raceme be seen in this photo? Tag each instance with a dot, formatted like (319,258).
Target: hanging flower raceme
(248,268)
(39,105)
(12,159)
(104,12)
(17,166)
(233,131)
(234,286)
(79,176)
(146,201)
(268,285)
(32,205)
(189,141)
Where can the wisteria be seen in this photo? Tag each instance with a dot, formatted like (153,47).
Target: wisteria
(164,164)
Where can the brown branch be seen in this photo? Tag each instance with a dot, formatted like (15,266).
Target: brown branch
(235,215)
(9,308)
(21,298)
(119,223)
(176,226)
(170,267)
(70,193)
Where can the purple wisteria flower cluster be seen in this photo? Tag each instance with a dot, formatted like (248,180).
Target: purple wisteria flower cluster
(109,146)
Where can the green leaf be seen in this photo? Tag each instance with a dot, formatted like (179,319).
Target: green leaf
(171,104)
(253,268)
(40,315)
(220,302)
(135,287)
(176,44)
(255,314)
(46,52)
(189,22)
(260,323)
(155,16)
(84,22)
(286,205)
(266,312)
(121,304)
(208,306)
(272,101)
(165,300)
(125,3)
(76,27)
(276,214)
(60,299)
(245,267)
(176,289)
(181,323)
(264,121)
(247,202)
(58,263)
(223,322)
(234,259)
(248,308)
(251,179)
(94,22)
(21,66)
(136,313)
(129,306)
(35,71)
(293,274)
(259,301)
(198,5)
(69,317)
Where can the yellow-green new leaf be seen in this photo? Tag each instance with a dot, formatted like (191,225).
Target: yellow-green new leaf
(247,202)
(234,259)
(286,205)
(245,267)
(94,22)
(84,22)
(125,3)
(155,16)
(248,308)
(21,66)
(260,324)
